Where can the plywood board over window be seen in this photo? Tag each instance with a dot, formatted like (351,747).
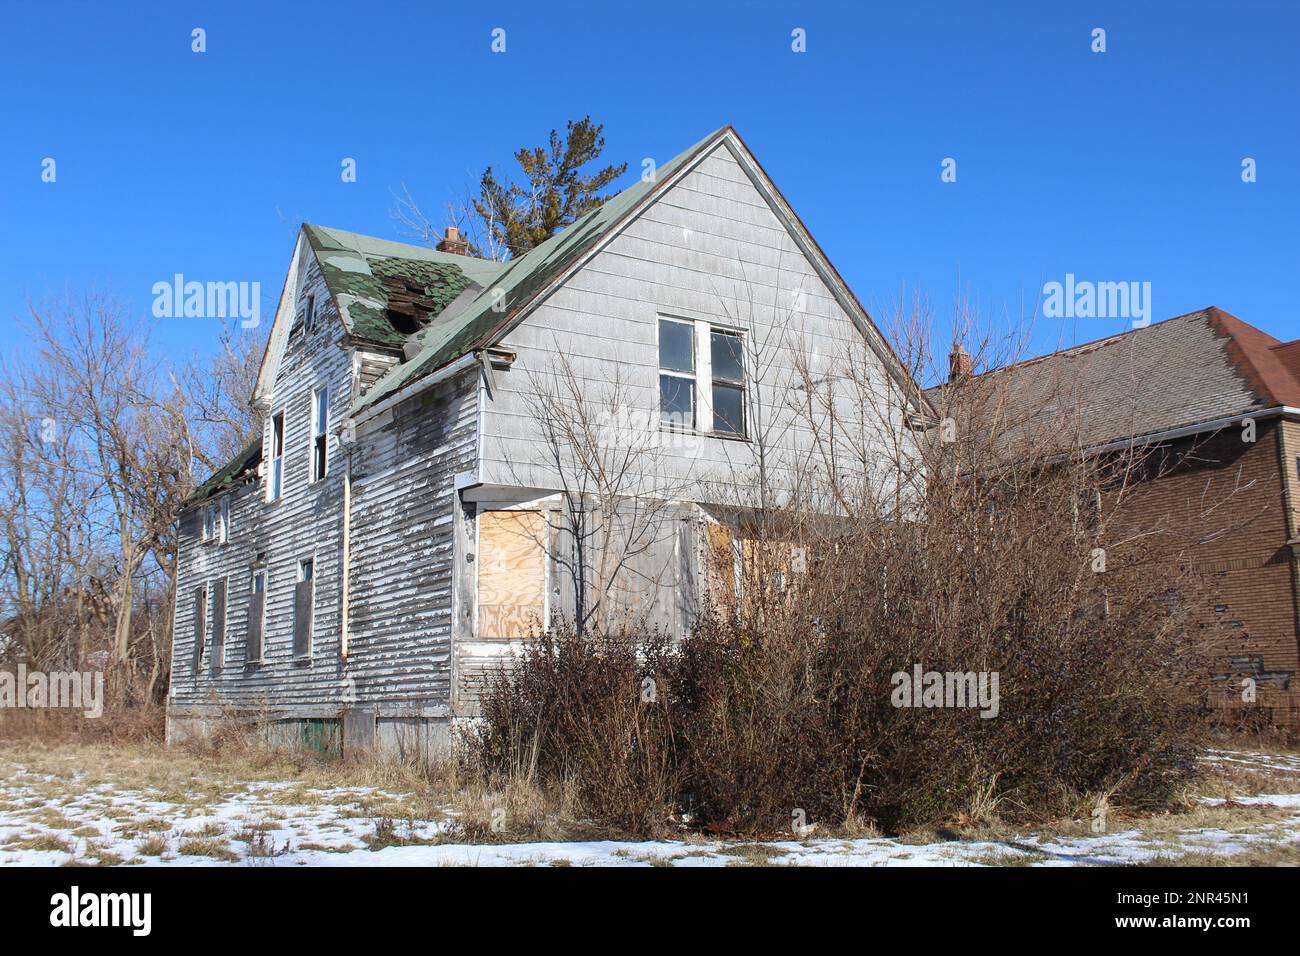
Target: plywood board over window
(511,574)
(746,571)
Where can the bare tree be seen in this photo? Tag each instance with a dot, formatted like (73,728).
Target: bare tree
(617,489)
(217,394)
(131,444)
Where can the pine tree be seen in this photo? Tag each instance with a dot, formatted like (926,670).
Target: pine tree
(515,216)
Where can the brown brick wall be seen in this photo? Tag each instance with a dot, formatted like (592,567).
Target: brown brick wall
(1235,504)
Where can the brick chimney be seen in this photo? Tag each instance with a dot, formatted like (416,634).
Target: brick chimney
(453,243)
(960,364)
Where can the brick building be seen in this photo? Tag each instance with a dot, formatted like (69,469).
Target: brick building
(1217,404)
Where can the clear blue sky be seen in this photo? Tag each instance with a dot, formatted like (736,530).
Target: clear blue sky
(1117,166)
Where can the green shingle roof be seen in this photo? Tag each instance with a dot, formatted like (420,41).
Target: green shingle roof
(516,282)
(356,266)
(245,461)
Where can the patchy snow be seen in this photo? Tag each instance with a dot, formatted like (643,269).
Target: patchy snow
(1262,800)
(264,823)
(1254,760)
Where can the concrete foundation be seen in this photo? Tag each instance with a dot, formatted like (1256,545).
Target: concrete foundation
(353,734)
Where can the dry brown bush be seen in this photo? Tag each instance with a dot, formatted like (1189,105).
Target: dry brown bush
(967,542)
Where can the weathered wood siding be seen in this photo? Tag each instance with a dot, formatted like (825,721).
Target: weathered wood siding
(403,543)
(403,468)
(306,522)
(709,248)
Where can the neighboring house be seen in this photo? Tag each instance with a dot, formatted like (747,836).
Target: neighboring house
(361,569)
(1188,389)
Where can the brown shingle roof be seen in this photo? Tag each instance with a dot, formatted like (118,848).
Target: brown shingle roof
(1181,372)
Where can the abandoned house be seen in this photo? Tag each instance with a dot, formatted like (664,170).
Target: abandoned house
(354,575)
(1215,404)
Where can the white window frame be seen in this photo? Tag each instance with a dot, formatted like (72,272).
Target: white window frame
(693,378)
(223,523)
(319,433)
(743,384)
(275,461)
(702,380)
(309,315)
(205,522)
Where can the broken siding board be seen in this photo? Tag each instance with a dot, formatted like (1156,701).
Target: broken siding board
(372,366)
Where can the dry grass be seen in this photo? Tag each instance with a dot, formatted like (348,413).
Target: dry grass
(516,810)
(44,842)
(152,846)
(1280,854)
(208,846)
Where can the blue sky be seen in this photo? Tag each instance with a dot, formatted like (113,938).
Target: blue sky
(1119,166)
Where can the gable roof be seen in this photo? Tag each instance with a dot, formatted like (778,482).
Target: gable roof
(524,281)
(1191,370)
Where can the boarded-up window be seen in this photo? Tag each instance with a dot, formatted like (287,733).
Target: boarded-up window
(302,609)
(511,573)
(218,624)
(256,616)
(747,574)
(723,565)
(200,620)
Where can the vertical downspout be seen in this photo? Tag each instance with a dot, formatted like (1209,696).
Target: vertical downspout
(347,549)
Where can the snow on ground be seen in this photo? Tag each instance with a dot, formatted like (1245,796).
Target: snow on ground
(286,824)
(1286,764)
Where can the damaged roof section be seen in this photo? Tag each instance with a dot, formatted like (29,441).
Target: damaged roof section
(239,466)
(387,291)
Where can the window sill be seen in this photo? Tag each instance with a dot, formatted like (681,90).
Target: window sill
(696,433)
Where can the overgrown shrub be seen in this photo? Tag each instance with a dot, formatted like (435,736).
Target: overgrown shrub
(781,707)
(966,533)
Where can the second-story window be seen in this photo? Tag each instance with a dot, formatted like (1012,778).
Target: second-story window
(277,456)
(677,373)
(320,415)
(702,377)
(728,371)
